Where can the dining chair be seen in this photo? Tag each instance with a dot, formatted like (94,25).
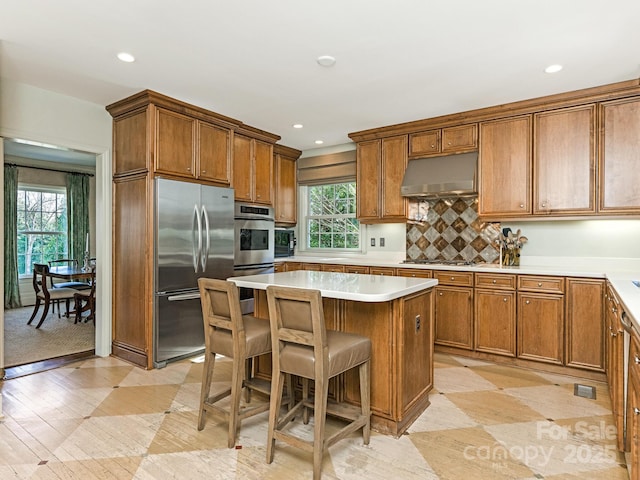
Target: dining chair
(302,346)
(43,294)
(85,300)
(76,285)
(241,337)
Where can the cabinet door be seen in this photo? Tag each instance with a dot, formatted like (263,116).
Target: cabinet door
(454,317)
(565,148)
(460,139)
(424,143)
(620,156)
(633,423)
(505,167)
(540,327)
(242,171)
(495,329)
(368,155)
(175,143)
(585,324)
(286,190)
(394,163)
(214,153)
(263,172)
(130,140)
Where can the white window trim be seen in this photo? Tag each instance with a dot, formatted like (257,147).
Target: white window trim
(303,237)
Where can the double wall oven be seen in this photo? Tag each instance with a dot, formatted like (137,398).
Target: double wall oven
(254,245)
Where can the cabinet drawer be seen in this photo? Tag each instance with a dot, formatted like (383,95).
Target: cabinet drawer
(332,268)
(413,272)
(448,277)
(356,269)
(501,281)
(541,284)
(382,271)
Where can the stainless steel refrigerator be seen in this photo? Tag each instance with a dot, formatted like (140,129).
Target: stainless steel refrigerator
(194,238)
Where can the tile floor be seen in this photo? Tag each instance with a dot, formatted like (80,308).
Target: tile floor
(102,418)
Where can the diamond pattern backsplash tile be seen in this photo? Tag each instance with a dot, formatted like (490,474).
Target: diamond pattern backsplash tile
(449,229)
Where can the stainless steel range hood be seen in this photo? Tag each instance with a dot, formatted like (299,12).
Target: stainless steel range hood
(445,176)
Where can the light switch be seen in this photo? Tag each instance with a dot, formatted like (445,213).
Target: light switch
(382,241)
(373,242)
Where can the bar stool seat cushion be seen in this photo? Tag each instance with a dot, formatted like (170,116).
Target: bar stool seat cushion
(257,333)
(344,351)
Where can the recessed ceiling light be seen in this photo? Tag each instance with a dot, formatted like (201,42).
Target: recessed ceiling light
(319,142)
(553,68)
(297,125)
(326,61)
(126,57)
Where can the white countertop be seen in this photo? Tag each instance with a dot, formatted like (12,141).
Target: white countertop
(346,286)
(619,271)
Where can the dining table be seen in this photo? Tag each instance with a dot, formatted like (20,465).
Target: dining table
(70,273)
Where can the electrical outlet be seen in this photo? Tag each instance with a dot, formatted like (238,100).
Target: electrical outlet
(382,241)
(417,323)
(373,242)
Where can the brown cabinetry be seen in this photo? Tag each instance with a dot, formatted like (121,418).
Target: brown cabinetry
(413,272)
(252,170)
(614,361)
(633,413)
(454,309)
(584,325)
(565,148)
(156,135)
(458,139)
(540,322)
(382,270)
(495,314)
(505,167)
(286,189)
(380,166)
(620,156)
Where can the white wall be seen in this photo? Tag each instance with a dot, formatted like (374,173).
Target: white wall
(39,115)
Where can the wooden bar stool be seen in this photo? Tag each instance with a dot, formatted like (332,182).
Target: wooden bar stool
(240,337)
(302,346)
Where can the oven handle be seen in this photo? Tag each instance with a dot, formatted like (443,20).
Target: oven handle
(183,296)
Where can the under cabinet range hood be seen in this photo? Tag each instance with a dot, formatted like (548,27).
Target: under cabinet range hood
(444,176)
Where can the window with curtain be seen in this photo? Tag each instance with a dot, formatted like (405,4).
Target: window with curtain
(327,206)
(42,226)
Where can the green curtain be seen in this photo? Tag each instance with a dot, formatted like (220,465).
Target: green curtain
(77,214)
(11,286)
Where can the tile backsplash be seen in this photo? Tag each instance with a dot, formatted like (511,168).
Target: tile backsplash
(449,229)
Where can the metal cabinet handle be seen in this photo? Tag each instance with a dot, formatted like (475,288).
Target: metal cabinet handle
(440,293)
(613,334)
(522,205)
(636,360)
(539,284)
(544,204)
(636,410)
(433,146)
(504,299)
(453,278)
(495,281)
(527,302)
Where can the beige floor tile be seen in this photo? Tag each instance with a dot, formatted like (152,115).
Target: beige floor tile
(509,377)
(493,407)
(461,379)
(137,400)
(442,414)
(468,453)
(197,465)
(558,402)
(441,360)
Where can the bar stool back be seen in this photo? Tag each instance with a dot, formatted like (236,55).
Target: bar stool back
(302,346)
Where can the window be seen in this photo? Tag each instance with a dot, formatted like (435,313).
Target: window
(42,226)
(330,217)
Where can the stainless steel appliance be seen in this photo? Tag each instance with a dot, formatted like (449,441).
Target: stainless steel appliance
(194,238)
(284,242)
(254,245)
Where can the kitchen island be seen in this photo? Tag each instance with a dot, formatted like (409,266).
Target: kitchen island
(396,313)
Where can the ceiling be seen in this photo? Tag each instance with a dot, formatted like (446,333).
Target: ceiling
(253,60)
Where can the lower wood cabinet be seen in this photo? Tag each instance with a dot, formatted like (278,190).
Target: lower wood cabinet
(633,407)
(495,325)
(584,339)
(454,316)
(540,328)
(614,361)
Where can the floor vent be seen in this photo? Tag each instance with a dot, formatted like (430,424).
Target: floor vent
(585,391)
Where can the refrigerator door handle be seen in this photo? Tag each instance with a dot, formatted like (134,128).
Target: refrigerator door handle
(183,296)
(207,235)
(196,238)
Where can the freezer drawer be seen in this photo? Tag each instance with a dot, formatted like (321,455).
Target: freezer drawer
(178,328)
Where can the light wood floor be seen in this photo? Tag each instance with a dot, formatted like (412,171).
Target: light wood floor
(104,419)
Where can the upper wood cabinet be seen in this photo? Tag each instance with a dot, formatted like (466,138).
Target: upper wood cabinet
(565,148)
(620,156)
(214,153)
(252,170)
(286,188)
(380,166)
(505,167)
(449,140)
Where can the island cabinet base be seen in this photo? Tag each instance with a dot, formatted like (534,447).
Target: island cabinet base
(401,333)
